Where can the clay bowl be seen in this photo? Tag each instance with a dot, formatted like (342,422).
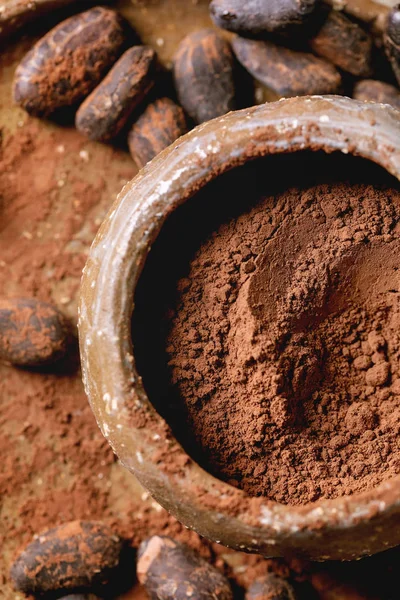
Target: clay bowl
(344,528)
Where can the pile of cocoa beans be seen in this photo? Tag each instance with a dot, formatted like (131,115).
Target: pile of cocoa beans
(85,560)
(267,50)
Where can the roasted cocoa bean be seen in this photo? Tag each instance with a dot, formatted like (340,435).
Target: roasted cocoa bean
(271,587)
(76,555)
(345,44)
(392,40)
(377,91)
(32,333)
(257,17)
(285,72)
(69,61)
(172,571)
(204,78)
(105,112)
(160,125)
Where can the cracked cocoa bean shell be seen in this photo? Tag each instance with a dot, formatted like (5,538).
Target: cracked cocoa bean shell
(286,72)
(160,125)
(69,61)
(170,570)
(257,17)
(74,556)
(32,333)
(204,75)
(106,111)
(345,44)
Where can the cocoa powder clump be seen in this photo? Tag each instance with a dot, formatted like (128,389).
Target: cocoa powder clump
(283,343)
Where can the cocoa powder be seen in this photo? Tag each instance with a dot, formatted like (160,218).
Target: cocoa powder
(57,465)
(282,343)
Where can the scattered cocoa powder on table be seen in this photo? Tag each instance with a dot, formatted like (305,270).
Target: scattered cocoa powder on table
(57,465)
(53,195)
(283,342)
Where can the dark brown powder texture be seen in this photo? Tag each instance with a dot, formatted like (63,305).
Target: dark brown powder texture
(284,341)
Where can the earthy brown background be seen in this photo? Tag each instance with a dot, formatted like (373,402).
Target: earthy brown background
(55,188)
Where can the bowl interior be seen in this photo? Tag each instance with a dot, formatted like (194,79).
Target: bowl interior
(220,202)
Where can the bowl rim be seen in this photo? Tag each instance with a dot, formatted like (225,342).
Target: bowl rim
(138,435)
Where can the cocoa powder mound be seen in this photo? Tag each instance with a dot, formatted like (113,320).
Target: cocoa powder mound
(282,343)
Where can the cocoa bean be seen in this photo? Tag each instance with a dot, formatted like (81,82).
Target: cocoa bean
(392,40)
(32,333)
(171,571)
(345,44)
(69,61)
(285,72)
(271,587)
(377,91)
(74,556)
(105,112)
(160,125)
(204,78)
(257,17)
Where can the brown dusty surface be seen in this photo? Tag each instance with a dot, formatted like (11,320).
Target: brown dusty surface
(55,188)
(283,345)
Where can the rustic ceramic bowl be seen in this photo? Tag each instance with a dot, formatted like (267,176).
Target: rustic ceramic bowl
(344,528)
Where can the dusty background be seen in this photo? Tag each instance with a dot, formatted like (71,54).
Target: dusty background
(55,188)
